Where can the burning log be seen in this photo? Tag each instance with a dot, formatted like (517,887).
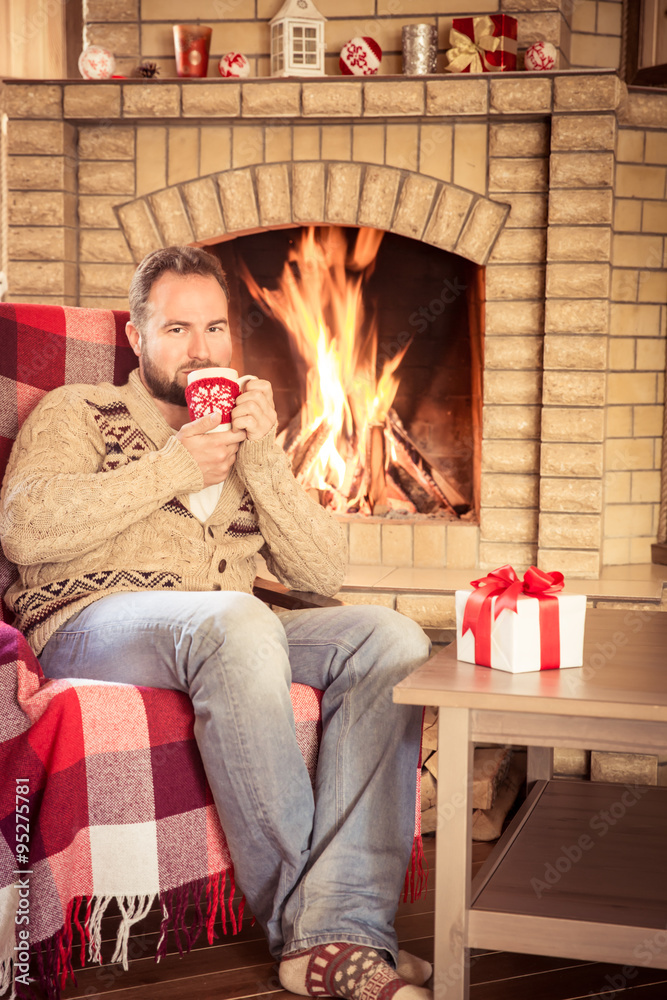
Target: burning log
(449,490)
(410,461)
(289,438)
(358,486)
(422,499)
(306,455)
(377,486)
(396,497)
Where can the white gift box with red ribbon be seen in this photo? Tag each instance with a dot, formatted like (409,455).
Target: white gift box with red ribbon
(520,625)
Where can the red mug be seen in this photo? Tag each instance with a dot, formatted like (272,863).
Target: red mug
(211,389)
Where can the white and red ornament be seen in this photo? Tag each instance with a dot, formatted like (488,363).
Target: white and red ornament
(234,64)
(96,63)
(540,56)
(360,57)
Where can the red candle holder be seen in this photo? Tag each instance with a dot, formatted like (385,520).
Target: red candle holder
(192,43)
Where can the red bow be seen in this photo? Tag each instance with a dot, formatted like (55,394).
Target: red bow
(505,585)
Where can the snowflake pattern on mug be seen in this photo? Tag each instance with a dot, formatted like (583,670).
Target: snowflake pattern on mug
(206,395)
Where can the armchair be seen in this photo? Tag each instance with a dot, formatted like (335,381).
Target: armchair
(102,791)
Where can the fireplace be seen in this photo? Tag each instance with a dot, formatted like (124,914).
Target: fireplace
(399,348)
(553,435)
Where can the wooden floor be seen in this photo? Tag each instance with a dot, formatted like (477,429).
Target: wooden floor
(240,967)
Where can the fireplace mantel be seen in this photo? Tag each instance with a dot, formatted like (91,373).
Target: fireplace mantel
(518,172)
(323,97)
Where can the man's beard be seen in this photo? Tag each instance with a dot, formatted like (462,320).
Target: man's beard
(163,388)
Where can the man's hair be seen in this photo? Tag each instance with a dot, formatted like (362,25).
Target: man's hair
(184,261)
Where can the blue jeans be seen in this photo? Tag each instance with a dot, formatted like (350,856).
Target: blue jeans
(314,868)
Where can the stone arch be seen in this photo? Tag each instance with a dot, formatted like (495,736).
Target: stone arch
(343,193)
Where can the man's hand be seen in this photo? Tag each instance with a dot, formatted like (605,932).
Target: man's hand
(254,411)
(215,454)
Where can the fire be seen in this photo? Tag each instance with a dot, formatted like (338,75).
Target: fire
(333,441)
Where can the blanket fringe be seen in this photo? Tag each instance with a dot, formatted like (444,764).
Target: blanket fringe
(212,898)
(51,965)
(83,931)
(6,978)
(94,927)
(208,894)
(64,958)
(49,959)
(53,957)
(416,877)
(132,909)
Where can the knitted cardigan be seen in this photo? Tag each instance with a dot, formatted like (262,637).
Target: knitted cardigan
(94,502)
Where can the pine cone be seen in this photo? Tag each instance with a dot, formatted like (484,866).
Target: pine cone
(148,70)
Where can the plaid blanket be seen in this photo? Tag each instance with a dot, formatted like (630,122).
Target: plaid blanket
(100,772)
(94,774)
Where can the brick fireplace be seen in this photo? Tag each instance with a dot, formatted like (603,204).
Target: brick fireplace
(550,182)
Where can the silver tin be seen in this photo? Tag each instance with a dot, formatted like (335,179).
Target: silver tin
(420,49)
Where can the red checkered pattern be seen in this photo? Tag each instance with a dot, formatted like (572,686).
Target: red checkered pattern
(113,770)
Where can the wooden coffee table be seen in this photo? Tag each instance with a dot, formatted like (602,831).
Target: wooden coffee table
(581,872)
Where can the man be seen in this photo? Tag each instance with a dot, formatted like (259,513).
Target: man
(120,580)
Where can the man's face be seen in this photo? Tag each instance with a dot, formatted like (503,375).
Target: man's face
(187,328)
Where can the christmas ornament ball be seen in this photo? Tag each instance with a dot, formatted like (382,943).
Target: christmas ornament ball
(234,64)
(540,56)
(96,63)
(360,57)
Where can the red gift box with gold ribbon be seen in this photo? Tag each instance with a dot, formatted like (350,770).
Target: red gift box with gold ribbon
(482,44)
(520,625)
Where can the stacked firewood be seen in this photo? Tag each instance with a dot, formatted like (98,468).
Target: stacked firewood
(498,775)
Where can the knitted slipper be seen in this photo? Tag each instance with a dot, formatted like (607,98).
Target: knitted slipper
(350,971)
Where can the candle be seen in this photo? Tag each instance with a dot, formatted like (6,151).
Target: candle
(420,48)
(192,43)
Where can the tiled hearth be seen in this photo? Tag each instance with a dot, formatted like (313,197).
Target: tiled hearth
(427,595)
(520,173)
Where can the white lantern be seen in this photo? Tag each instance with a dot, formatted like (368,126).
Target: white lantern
(297,40)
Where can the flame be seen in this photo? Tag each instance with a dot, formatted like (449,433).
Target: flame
(320,302)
